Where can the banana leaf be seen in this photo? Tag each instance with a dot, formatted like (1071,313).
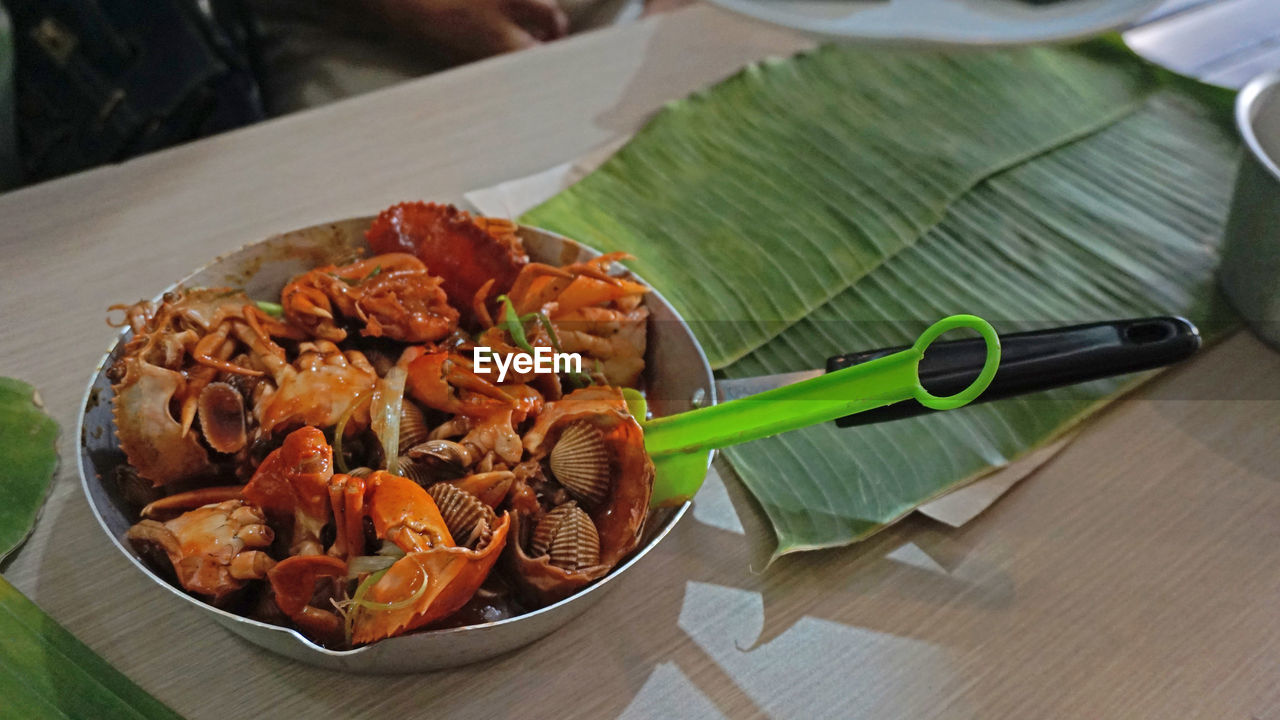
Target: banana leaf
(754,203)
(28,457)
(44,671)
(1121,224)
(790,233)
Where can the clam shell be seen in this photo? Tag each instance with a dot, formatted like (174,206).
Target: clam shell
(469,520)
(575,543)
(421,473)
(222,417)
(568,536)
(445,453)
(413,425)
(544,532)
(580,462)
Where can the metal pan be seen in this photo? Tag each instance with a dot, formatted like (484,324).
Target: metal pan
(676,373)
(677,377)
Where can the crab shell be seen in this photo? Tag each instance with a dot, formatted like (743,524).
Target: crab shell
(619,518)
(150,437)
(214,549)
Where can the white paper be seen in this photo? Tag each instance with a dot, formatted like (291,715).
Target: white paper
(514,198)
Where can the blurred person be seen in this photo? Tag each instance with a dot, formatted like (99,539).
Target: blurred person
(98,81)
(317,52)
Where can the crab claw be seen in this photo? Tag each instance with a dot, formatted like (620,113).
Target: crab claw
(405,514)
(434,578)
(293,581)
(438,380)
(423,587)
(294,481)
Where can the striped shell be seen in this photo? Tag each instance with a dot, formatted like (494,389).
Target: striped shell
(469,520)
(568,537)
(413,425)
(580,462)
(421,473)
(222,417)
(443,452)
(433,461)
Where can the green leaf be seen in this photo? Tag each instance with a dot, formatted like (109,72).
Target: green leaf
(756,202)
(845,199)
(45,672)
(28,457)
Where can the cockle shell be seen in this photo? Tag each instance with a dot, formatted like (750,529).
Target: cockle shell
(429,462)
(545,530)
(413,425)
(469,520)
(580,462)
(568,536)
(441,451)
(222,417)
(420,473)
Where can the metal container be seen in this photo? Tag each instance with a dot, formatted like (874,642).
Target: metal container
(676,372)
(1250,270)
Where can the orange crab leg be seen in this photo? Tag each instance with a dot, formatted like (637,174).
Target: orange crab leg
(190,500)
(268,327)
(478,305)
(491,487)
(347,498)
(198,378)
(459,373)
(586,291)
(536,284)
(209,348)
(294,582)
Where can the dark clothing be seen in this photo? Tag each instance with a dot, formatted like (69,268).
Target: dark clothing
(100,81)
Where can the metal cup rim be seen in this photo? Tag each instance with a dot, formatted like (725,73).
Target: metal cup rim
(1246,107)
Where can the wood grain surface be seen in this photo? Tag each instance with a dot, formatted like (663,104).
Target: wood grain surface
(1135,576)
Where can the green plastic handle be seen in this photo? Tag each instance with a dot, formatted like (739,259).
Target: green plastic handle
(677,442)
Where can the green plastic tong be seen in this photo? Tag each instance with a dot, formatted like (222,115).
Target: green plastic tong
(680,444)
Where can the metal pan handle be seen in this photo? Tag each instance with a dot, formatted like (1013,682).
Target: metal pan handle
(1038,360)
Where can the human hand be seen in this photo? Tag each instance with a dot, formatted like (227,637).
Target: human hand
(473,29)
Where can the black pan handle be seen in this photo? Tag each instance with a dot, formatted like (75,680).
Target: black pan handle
(1037,360)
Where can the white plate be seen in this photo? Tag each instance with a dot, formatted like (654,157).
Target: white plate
(962,22)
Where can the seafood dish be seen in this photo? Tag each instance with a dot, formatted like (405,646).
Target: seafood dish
(339,460)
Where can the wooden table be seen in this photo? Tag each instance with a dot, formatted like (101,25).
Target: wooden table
(1134,576)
